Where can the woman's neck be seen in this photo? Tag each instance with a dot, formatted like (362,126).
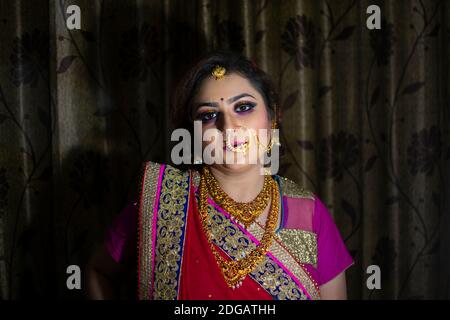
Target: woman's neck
(241,186)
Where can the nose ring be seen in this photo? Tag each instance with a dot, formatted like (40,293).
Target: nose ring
(241,148)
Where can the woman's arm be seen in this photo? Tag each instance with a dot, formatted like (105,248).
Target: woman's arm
(102,276)
(116,256)
(335,289)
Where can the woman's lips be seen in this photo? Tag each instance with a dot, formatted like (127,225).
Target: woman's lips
(236,144)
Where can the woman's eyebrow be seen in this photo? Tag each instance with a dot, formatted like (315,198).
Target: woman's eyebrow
(233,99)
(205,104)
(229,100)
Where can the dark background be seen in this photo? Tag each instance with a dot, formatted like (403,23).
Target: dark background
(365,124)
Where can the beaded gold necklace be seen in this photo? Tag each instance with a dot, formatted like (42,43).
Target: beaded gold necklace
(245,212)
(235,271)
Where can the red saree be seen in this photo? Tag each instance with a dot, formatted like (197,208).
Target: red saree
(175,261)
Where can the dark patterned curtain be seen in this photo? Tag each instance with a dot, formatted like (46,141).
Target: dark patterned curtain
(365,124)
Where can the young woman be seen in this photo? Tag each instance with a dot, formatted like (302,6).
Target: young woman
(224,230)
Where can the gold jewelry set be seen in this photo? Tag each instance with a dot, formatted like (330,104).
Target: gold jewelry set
(245,213)
(235,271)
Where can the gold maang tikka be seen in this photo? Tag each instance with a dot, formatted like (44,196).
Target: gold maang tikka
(218,72)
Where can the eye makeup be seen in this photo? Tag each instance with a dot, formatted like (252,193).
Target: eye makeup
(206,116)
(244,106)
(241,107)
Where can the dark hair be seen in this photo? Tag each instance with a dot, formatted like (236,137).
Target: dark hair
(190,84)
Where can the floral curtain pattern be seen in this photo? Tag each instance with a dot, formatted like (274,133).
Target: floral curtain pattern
(365,121)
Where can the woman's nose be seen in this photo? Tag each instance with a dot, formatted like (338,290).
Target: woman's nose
(226,122)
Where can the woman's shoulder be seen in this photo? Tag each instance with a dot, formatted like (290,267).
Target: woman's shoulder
(293,190)
(303,209)
(151,170)
(297,231)
(157,166)
(299,205)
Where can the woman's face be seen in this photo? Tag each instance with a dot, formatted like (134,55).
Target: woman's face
(231,105)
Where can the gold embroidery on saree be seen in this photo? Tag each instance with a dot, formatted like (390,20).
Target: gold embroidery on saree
(170,233)
(195,178)
(285,256)
(277,282)
(302,244)
(268,274)
(290,189)
(145,242)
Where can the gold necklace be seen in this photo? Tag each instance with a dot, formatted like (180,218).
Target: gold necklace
(235,271)
(245,212)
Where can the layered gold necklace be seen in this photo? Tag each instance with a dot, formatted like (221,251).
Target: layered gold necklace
(235,271)
(245,212)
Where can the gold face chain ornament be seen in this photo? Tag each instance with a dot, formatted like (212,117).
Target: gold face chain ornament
(235,271)
(273,140)
(244,212)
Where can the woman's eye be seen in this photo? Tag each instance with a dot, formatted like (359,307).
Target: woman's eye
(207,116)
(243,107)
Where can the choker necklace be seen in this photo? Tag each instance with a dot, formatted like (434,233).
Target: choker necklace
(244,212)
(235,271)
